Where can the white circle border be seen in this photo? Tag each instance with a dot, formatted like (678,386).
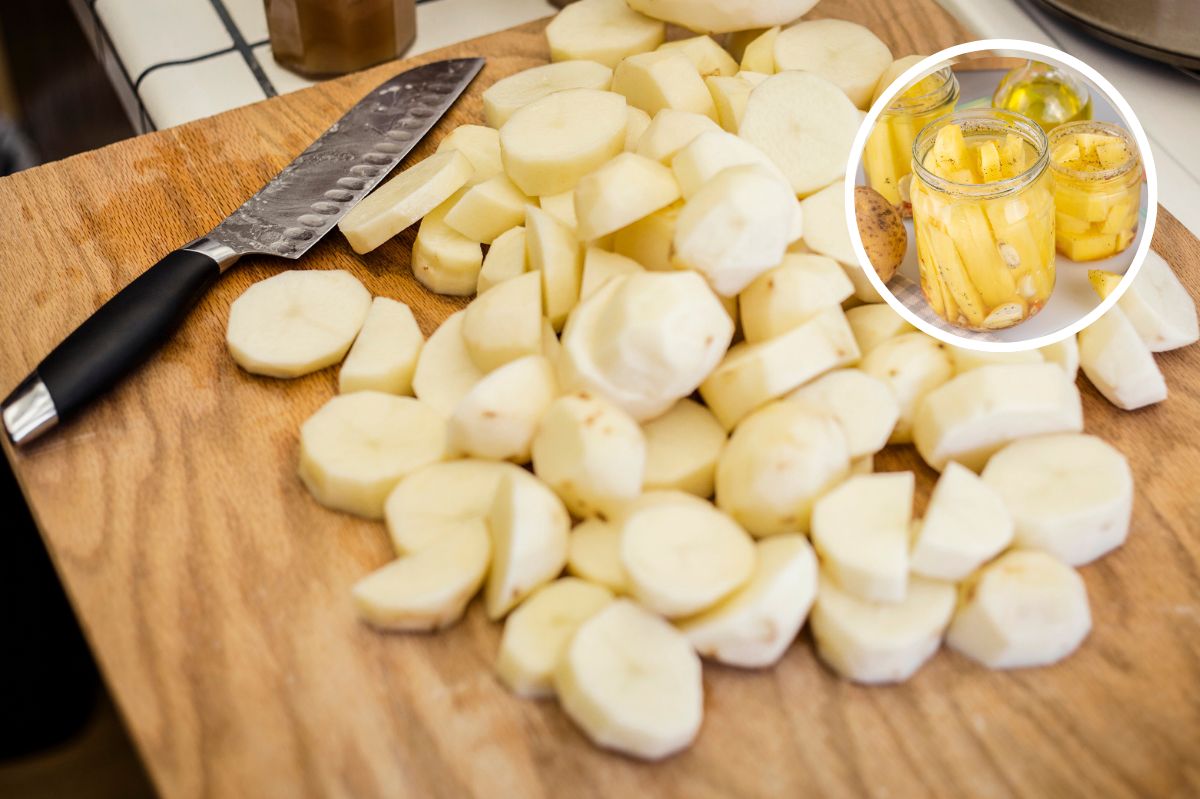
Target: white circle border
(1049,53)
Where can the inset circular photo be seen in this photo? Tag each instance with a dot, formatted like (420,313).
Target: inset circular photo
(1004,193)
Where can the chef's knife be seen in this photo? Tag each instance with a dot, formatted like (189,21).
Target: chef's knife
(286,218)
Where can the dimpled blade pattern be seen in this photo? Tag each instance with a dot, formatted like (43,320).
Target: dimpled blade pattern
(305,201)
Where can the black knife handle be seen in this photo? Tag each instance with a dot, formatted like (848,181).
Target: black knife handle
(119,336)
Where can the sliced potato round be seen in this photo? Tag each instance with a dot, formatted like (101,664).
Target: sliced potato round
(776,464)
(861,530)
(505,324)
(1070,495)
(844,52)
(404,199)
(632,682)
(537,632)
(591,453)
(441,497)
(357,447)
(601,30)
(863,405)
(756,625)
(594,553)
(497,418)
(880,642)
(681,554)
(682,449)
(805,124)
(621,192)
(296,322)
(506,96)
(663,79)
(428,590)
(384,355)
(1023,609)
(548,145)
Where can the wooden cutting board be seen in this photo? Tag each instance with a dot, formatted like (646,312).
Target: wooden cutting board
(215,591)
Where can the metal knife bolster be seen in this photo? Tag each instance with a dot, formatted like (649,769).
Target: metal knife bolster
(285,218)
(297,207)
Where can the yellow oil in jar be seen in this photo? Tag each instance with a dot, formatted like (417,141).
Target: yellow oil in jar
(1047,95)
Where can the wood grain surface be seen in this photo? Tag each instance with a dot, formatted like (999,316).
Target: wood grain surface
(214,590)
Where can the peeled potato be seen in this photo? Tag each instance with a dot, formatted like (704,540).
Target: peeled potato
(670,131)
(504,97)
(601,30)
(706,55)
(882,230)
(621,192)
(444,260)
(548,145)
(723,16)
(663,79)
(404,199)
(480,145)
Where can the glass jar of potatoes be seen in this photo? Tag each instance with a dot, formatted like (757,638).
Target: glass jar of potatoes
(983,214)
(887,158)
(1097,189)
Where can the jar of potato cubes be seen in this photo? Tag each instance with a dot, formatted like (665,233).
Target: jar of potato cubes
(887,158)
(1097,189)
(983,215)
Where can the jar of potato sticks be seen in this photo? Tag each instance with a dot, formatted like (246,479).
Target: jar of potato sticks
(1097,189)
(887,158)
(983,214)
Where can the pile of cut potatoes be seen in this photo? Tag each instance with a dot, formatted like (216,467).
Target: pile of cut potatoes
(695,450)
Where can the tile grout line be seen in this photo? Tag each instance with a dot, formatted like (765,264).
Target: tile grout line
(244,49)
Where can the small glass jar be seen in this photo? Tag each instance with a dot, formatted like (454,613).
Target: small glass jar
(323,38)
(887,158)
(1096,207)
(1049,95)
(985,250)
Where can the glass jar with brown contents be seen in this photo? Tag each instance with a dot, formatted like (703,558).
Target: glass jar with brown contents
(323,38)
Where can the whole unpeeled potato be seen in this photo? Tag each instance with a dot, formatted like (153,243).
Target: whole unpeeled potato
(882,231)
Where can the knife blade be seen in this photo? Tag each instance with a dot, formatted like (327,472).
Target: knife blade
(285,218)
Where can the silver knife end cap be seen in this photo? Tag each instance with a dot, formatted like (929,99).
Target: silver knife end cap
(29,411)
